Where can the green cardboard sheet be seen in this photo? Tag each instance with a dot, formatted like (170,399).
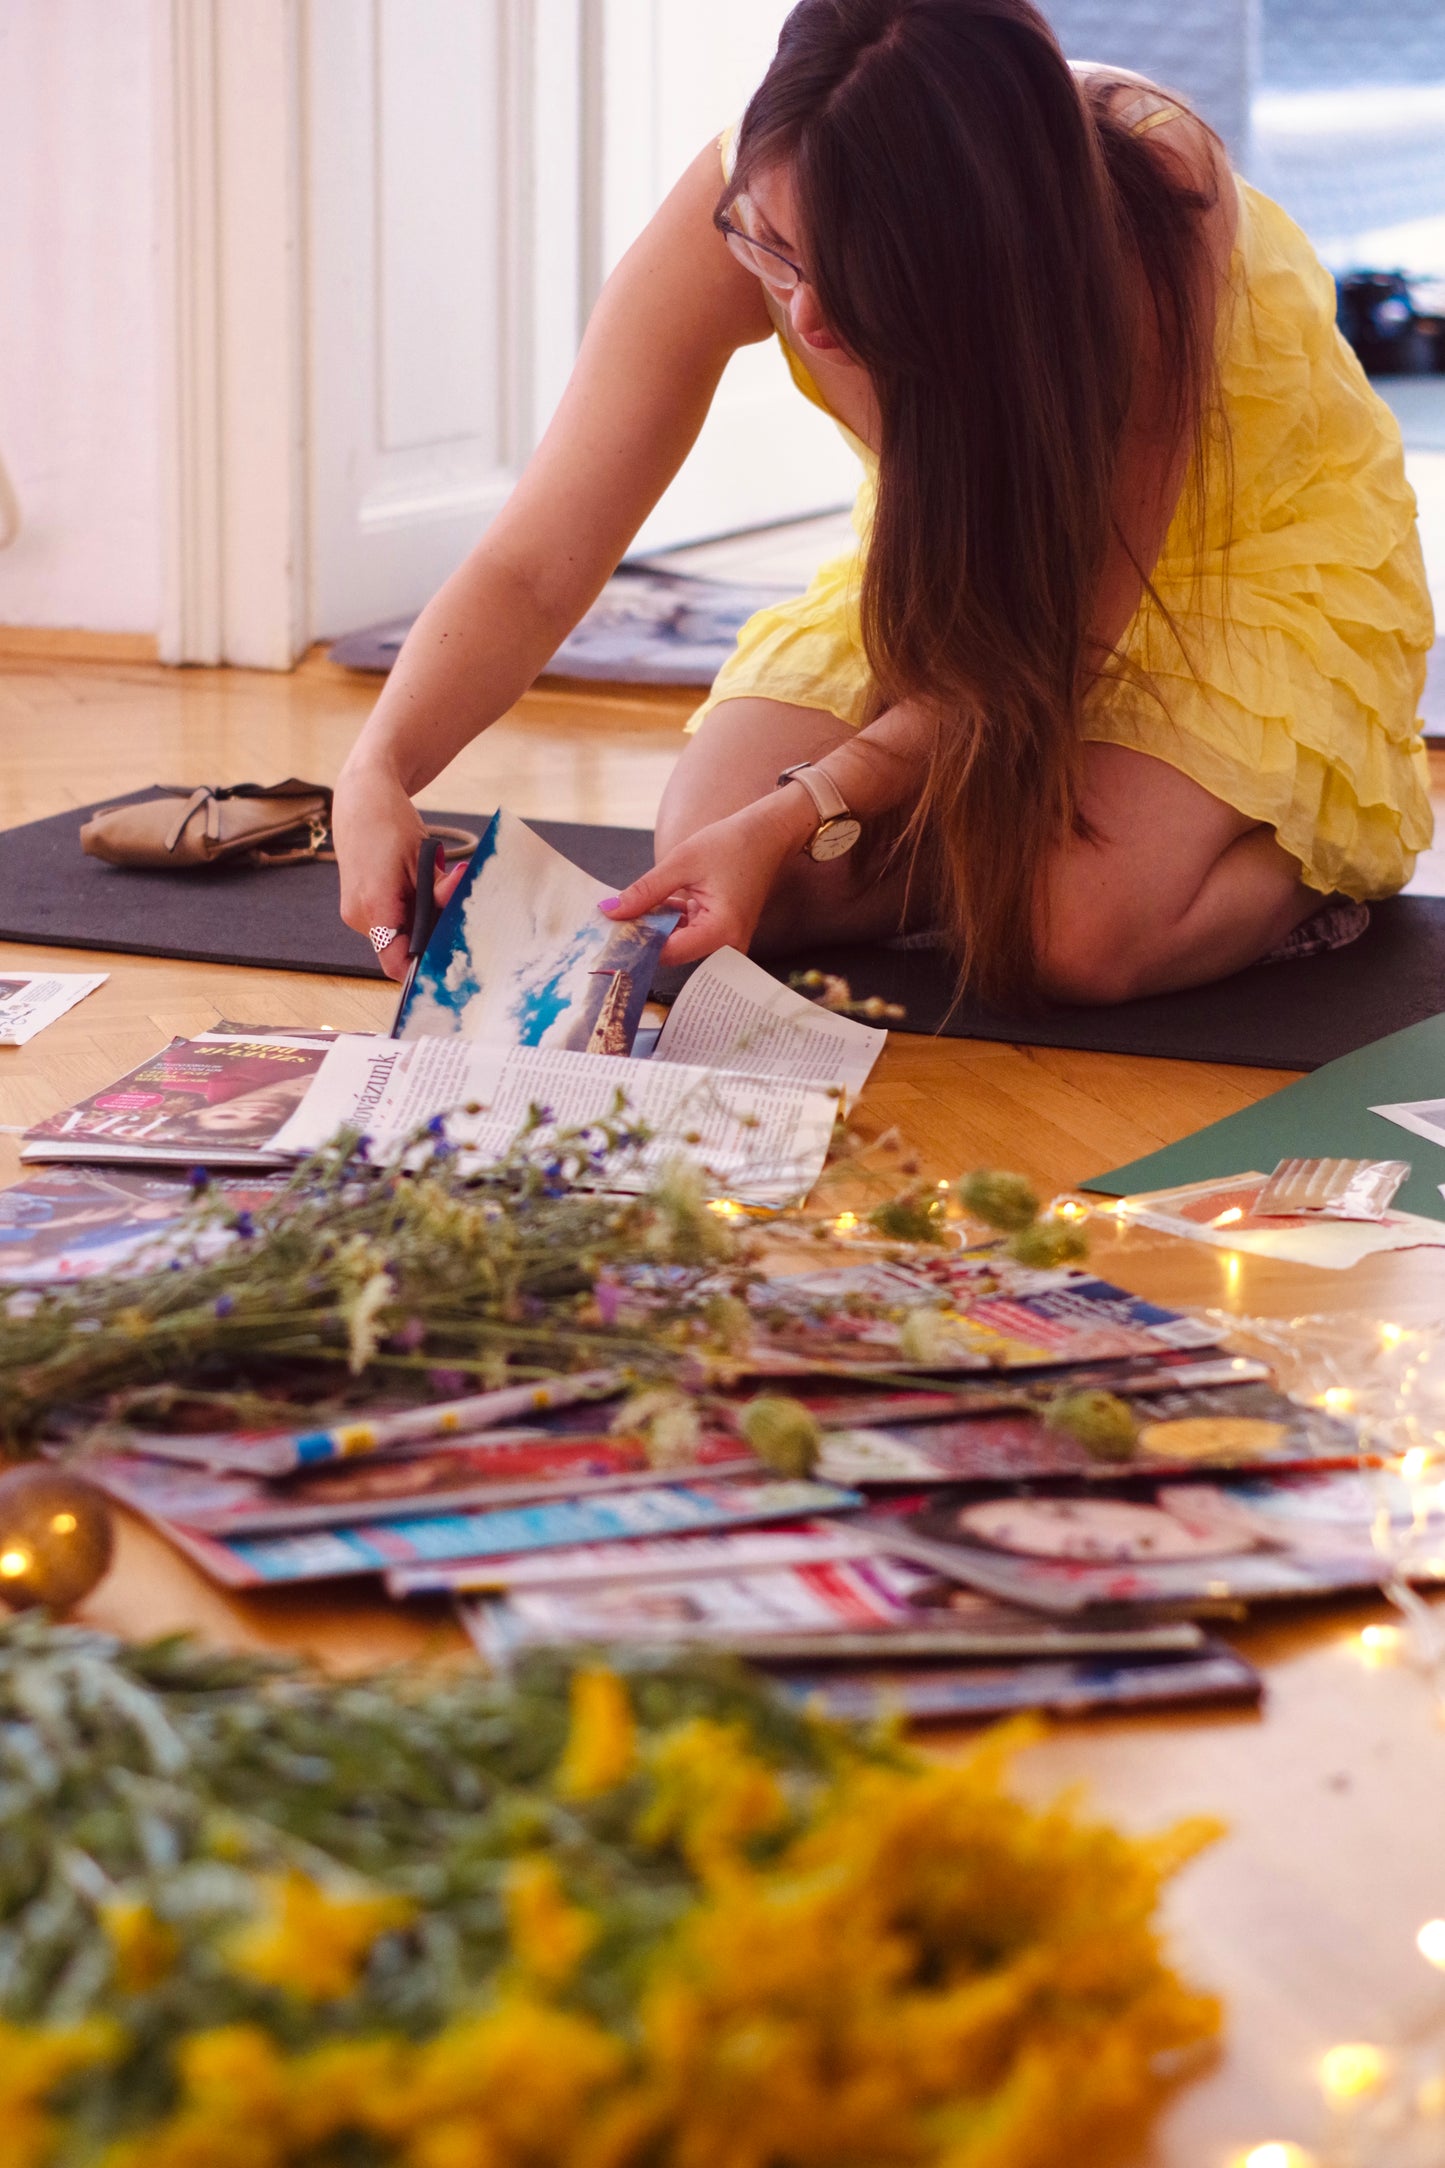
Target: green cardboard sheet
(1324,1116)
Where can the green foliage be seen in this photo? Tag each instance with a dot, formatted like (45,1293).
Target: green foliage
(1005,1201)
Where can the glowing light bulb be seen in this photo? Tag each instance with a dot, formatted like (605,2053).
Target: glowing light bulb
(63,1524)
(1337,1398)
(1231,1272)
(1227,1219)
(1276,2154)
(1379,1643)
(845,1223)
(14,1563)
(1353,2068)
(1430,1942)
(725,1208)
(1414,1464)
(1392,1335)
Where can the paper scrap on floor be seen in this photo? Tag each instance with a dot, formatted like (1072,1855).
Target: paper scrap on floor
(29,1000)
(1220,1213)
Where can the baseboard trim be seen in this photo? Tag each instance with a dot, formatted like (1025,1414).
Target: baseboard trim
(72,643)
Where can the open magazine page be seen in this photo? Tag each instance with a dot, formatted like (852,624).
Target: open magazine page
(758,1139)
(29,1000)
(388,1088)
(521,956)
(733,1015)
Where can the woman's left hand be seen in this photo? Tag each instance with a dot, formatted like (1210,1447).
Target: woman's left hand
(720,878)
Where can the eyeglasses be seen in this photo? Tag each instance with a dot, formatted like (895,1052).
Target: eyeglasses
(778,272)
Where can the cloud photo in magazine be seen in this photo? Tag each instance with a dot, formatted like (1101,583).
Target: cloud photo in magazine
(522,956)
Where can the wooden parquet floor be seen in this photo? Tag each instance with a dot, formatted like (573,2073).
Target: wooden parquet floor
(1304,1916)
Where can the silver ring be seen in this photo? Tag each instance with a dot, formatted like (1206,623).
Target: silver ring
(383,936)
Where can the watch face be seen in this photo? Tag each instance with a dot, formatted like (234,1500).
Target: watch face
(835,837)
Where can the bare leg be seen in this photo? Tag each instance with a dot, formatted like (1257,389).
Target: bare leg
(735,759)
(1174,887)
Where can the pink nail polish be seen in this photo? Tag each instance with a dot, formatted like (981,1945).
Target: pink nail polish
(608,903)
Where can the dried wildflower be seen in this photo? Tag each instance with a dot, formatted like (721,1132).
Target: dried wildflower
(783,1434)
(1005,1201)
(1102,1423)
(666,1420)
(1048,1243)
(926,1336)
(914,1216)
(684,1231)
(363,1319)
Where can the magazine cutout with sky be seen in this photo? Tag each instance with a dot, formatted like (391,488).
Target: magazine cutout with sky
(528,996)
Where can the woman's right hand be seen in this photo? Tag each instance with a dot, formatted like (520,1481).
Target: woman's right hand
(378,836)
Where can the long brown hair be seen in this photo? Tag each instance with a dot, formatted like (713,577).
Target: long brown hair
(975,225)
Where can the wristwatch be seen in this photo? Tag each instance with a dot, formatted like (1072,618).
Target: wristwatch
(838,829)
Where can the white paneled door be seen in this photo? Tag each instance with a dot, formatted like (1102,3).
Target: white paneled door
(388,220)
(673,74)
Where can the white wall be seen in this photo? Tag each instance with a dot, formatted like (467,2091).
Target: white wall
(78,316)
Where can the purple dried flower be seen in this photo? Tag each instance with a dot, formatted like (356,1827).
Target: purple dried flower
(197,1177)
(225,1304)
(447,1384)
(244,1225)
(608,1296)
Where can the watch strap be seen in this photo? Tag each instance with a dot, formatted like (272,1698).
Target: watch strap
(828,801)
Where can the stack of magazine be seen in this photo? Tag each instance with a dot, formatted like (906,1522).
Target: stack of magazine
(954,1552)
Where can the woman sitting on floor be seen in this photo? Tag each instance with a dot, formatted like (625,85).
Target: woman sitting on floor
(1123,677)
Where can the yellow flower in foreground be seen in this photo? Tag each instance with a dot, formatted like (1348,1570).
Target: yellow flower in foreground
(601,1749)
(34,2061)
(710,1795)
(144,1947)
(311,1941)
(517,2084)
(549,1936)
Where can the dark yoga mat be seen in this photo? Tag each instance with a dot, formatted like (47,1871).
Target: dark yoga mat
(1273,1016)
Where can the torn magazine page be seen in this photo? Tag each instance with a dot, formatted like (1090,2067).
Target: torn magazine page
(522,956)
(388,1089)
(733,1015)
(29,1000)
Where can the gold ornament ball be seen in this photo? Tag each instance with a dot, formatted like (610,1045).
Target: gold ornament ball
(55,1538)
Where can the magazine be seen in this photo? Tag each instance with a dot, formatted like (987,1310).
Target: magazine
(660,1558)
(617,1517)
(70,1223)
(29,1000)
(988,1313)
(1226,1426)
(218,1100)
(833,1611)
(503,1469)
(948,1693)
(1189,1545)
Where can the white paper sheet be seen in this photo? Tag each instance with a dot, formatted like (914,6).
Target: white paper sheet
(733,1015)
(29,1000)
(1422,1117)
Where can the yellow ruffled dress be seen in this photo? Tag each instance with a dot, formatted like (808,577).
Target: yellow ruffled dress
(1285,670)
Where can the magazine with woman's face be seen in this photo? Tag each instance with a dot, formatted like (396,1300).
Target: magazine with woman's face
(1179,1543)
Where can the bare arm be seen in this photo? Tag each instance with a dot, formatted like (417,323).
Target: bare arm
(668,320)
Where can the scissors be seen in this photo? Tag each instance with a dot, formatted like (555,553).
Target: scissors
(425,911)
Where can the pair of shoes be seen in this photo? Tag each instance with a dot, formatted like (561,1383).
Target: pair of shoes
(1336,926)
